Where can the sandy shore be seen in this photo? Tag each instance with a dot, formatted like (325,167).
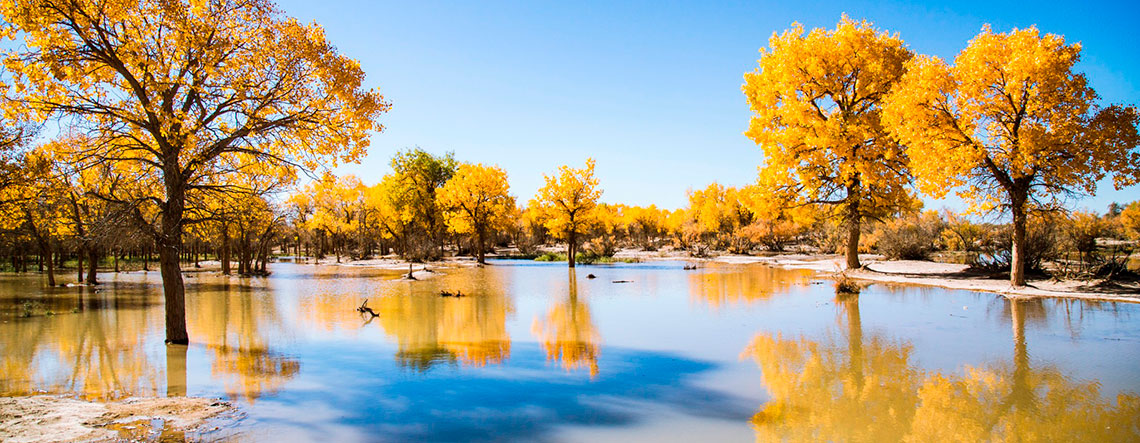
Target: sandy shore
(49,418)
(945,275)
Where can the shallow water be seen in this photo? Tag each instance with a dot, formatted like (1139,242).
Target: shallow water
(536,352)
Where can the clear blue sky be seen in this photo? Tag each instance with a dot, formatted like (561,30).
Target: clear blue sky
(651,90)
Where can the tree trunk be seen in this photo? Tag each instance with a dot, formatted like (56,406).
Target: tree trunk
(1017,254)
(92,265)
(170,245)
(572,248)
(45,251)
(853,243)
(479,246)
(225,250)
(79,265)
(174,292)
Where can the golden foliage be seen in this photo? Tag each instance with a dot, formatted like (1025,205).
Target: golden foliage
(567,203)
(1012,122)
(816,100)
(475,200)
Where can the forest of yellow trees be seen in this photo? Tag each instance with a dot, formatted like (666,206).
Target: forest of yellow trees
(211,134)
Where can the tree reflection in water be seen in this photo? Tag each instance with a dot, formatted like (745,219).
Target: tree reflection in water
(98,348)
(567,332)
(720,285)
(429,329)
(859,389)
(232,321)
(95,350)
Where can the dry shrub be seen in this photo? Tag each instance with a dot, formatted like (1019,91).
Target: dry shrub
(774,235)
(912,237)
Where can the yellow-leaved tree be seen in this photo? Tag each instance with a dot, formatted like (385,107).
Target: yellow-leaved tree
(184,91)
(1011,125)
(476,200)
(817,103)
(567,202)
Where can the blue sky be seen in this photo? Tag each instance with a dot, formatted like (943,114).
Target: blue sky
(651,90)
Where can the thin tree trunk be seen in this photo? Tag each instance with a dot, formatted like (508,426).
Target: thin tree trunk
(479,245)
(572,247)
(225,250)
(1017,255)
(45,251)
(79,265)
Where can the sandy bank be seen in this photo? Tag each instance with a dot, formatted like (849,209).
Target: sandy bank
(946,275)
(49,418)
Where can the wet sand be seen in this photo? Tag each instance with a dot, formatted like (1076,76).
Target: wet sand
(51,418)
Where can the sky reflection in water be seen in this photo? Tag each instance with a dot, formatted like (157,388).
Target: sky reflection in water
(535,352)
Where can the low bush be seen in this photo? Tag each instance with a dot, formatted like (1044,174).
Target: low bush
(912,237)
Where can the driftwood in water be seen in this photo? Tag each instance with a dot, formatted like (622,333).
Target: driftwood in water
(365,309)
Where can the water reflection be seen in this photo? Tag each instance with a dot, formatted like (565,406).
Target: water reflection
(231,320)
(102,347)
(521,355)
(94,352)
(567,332)
(725,286)
(429,329)
(868,389)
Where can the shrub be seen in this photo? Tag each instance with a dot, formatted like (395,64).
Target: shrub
(912,237)
(1042,241)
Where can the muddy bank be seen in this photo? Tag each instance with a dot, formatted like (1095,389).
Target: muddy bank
(49,418)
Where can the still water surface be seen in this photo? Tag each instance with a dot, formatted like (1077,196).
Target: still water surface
(537,352)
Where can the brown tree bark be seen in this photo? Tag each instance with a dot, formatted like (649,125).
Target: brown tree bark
(225,258)
(45,251)
(481,241)
(92,265)
(1017,253)
(170,244)
(853,231)
(572,249)
(79,265)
